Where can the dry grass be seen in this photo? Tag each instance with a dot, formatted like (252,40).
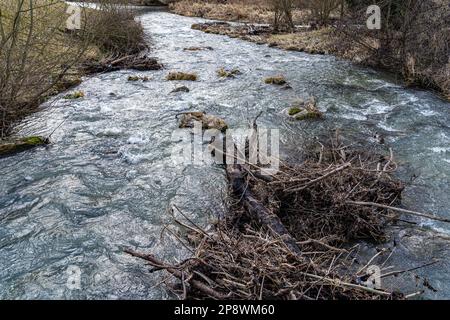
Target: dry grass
(277,80)
(233,10)
(316,41)
(181,76)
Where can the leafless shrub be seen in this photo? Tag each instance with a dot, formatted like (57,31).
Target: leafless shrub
(282,10)
(35,55)
(414,39)
(322,9)
(40,57)
(114,29)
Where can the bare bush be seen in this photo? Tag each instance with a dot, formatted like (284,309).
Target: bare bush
(35,55)
(40,57)
(321,10)
(414,39)
(282,14)
(114,30)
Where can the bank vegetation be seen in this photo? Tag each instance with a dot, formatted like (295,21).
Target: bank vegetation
(46,46)
(412,41)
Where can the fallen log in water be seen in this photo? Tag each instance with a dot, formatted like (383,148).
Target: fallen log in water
(22,144)
(236,178)
(133,62)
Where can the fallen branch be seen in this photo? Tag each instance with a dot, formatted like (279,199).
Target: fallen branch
(177,273)
(414,213)
(320,178)
(256,209)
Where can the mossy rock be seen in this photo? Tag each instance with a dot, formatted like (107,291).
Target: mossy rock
(294,110)
(74,95)
(188,120)
(181,76)
(277,80)
(180,89)
(22,144)
(304,110)
(137,78)
(223,73)
(305,115)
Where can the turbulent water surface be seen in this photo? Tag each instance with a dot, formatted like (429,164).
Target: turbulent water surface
(107,180)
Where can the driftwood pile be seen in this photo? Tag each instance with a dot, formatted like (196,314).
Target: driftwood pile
(289,236)
(133,62)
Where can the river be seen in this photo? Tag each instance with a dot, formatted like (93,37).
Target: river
(105,183)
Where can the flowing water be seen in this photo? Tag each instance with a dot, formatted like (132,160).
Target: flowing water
(106,181)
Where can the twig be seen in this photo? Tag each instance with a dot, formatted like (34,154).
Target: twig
(394,273)
(346,284)
(414,213)
(321,178)
(179,274)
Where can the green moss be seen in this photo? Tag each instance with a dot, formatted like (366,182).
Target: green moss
(74,95)
(294,110)
(278,80)
(307,115)
(34,140)
(304,110)
(181,76)
(11,147)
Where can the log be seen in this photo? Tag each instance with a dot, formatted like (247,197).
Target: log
(254,207)
(23,144)
(133,62)
(413,213)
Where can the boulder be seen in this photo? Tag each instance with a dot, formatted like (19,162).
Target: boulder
(303,110)
(180,89)
(208,121)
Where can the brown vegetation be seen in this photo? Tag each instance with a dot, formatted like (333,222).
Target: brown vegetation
(289,235)
(181,76)
(257,11)
(413,40)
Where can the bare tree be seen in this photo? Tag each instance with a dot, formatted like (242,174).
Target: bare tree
(282,14)
(322,9)
(413,40)
(33,57)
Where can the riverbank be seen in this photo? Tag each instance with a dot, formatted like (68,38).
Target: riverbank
(50,58)
(325,40)
(255,12)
